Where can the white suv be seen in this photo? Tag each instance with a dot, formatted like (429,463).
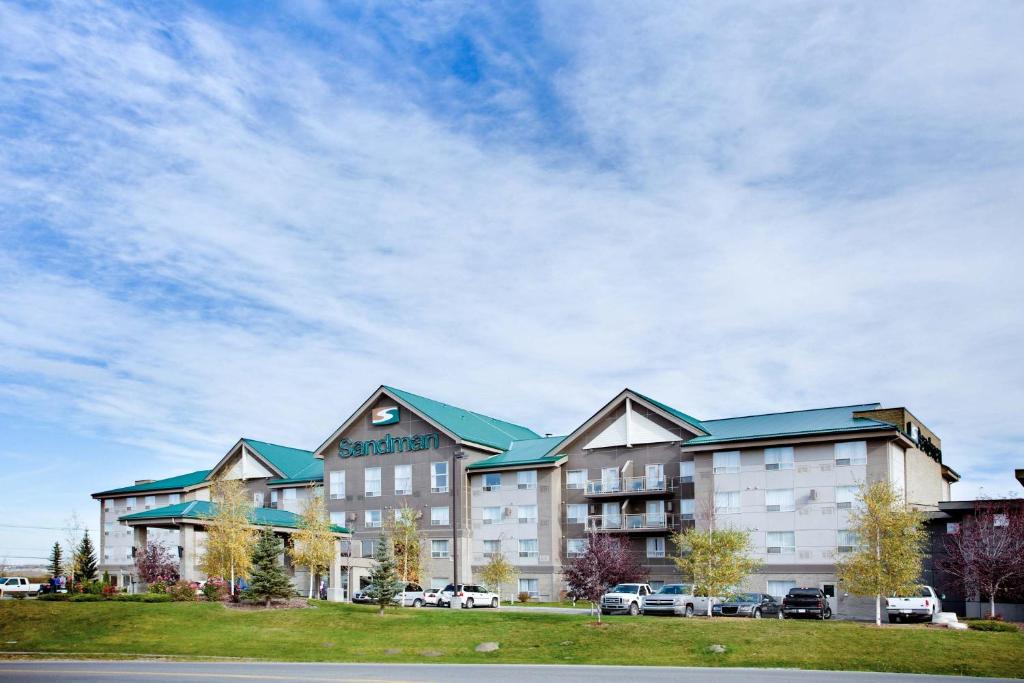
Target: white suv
(470,594)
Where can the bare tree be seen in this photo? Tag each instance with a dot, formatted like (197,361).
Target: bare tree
(986,554)
(605,562)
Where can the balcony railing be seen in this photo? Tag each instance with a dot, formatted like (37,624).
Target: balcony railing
(629,486)
(641,521)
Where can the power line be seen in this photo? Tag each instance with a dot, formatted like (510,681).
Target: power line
(50,528)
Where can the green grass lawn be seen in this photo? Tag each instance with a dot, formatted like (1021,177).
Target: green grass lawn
(351,633)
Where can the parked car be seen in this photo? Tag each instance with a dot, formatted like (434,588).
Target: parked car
(431,596)
(18,585)
(470,594)
(753,605)
(676,599)
(625,598)
(806,602)
(411,595)
(921,606)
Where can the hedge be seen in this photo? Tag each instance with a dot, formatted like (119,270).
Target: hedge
(119,597)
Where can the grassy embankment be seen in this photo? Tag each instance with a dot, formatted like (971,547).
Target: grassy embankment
(334,632)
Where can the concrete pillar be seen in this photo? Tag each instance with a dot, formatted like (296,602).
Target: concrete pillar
(140,536)
(187,567)
(335,592)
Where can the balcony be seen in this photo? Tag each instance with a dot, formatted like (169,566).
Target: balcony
(633,522)
(630,486)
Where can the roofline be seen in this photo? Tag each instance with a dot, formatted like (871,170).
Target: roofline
(116,493)
(712,445)
(789,412)
(954,476)
(242,443)
(1019,474)
(294,483)
(177,520)
(551,464)
(383,390)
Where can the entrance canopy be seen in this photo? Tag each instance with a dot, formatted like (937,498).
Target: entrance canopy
(196,512)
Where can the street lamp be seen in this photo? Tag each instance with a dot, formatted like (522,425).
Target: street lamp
(457,455)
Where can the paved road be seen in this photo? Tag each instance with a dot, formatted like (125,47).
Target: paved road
(176,672)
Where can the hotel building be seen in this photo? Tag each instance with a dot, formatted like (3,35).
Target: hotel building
(638,468)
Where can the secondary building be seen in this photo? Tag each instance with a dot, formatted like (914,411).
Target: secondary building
(638,468)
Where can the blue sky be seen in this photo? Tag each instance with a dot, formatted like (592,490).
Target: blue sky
(238,219)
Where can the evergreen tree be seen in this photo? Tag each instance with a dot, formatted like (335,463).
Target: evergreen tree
(56,561)
(85,559)
(267,579)
(384,585)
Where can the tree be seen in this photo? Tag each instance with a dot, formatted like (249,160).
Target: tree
(407,545)
(986,554)
(714,560)
(85,559)
(56,561)
(605,562)
(267,579)
(497,571)
(313,542)
(154,563)
(891,537)
(384,581)
(229,534)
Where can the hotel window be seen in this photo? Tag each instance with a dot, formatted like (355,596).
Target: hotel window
(273,498)
(106,556)
(338,518)
(107,504)
(781,542)
(369,548)
(130,502)
(655,546)
(492,548)
(527,514)
(492,514)
(778,458)
(109,527)
(574,547)
(952,528)
(1000,520)
(727,502)
(438,582)
(528,547)
(686,472)
(371,485)
(779,500)
(686,507)
(289,494)
(846,497)
(526,479)
(174,499)
(149,502)
(257,499)
(337,484)
(610,479)
(439,477)
(373,519)
(439,516)
(439,548)
(403,480)
(576,479)
(492,481)
(847,541)
(726,462)
(576,513)
(531,586)
(851,453)
(654,478)
(780,589)
(397,513)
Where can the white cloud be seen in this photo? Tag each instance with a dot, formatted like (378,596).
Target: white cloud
(245,235)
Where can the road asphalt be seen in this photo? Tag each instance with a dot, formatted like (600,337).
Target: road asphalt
(149,671)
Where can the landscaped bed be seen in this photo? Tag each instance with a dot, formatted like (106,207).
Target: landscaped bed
(353,633)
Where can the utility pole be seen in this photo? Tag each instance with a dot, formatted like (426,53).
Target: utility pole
(457,455)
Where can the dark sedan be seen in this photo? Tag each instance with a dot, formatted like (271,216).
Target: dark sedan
(753,605)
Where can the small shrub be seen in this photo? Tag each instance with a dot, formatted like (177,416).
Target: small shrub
(214,590)
(53,597)
(143,597)
(990,625)
(182,591)
(93,588)
(524,597)
(157,587)
(109,590)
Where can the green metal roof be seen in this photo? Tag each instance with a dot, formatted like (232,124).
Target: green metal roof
(678,413)
(293,462)
(795,423)
(524,452)
(311,473)
(177,482)
(466,424)
(204,509)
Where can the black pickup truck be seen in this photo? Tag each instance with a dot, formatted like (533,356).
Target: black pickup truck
(806,602)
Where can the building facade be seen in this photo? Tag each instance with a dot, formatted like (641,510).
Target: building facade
(637,468)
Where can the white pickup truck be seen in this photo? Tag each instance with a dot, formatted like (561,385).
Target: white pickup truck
(676,599)
(922,606)
(625,598)
(18,585)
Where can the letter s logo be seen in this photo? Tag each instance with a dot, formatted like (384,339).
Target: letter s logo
(385,416)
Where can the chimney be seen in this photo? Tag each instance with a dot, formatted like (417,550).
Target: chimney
(144,481)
